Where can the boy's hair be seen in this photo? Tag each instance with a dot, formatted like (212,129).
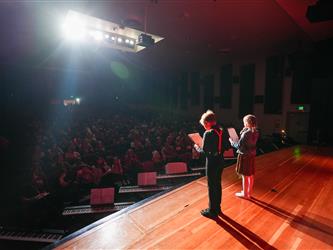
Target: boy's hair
(208,116)
(251,120)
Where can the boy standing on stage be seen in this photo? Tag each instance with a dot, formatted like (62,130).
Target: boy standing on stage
(215,142)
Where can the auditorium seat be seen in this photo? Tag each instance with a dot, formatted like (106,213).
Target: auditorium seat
(100,196)
(175,168)
(229,153)
(147,179)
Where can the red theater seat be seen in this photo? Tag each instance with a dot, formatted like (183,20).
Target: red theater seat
(100,196)
(147,179)
(229,153)
(175,168)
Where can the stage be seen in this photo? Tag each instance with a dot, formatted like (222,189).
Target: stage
(292,208)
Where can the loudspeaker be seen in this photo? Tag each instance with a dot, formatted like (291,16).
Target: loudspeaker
(321,11)
(100,196)
(175,168)
(147,179)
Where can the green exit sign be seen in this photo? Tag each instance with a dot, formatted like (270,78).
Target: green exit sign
(300,108)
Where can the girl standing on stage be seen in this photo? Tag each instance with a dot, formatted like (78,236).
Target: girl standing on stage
(246,149)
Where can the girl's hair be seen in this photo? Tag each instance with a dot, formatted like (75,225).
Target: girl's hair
(208,116)
(251,120)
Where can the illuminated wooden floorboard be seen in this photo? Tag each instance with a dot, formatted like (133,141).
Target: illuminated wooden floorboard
(292,208)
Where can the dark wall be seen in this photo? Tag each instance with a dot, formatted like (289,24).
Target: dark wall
(195,88)
(208,84)
(246,92)
(273,86)
(321,100)
(302,67)
(183,90)
(321,111)
(226,86)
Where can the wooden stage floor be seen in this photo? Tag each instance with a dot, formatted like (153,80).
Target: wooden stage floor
(292,208)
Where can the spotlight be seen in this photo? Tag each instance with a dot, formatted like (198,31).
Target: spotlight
(97,35)
(78,26)
(73,28)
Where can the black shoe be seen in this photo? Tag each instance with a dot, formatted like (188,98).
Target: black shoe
(207,213)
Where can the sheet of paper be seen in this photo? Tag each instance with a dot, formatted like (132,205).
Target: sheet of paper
(233,134)
(196,138)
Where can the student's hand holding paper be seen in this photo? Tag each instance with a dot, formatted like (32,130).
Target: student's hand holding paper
(197,148)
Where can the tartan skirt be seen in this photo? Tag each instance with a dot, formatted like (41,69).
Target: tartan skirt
(245,164)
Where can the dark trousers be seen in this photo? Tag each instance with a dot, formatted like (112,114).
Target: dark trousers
(214,169)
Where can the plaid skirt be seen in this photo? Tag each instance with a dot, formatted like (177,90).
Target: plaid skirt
(245,164)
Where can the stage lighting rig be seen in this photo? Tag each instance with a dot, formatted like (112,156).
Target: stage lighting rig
(86,28)
(145,40)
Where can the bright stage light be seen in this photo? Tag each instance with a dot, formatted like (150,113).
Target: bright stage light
(78,26)
(97,35)
(73,28)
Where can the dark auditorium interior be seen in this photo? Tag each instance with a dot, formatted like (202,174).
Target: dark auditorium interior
(98,98)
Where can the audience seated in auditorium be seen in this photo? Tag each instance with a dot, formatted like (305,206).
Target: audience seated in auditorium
(75,155)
